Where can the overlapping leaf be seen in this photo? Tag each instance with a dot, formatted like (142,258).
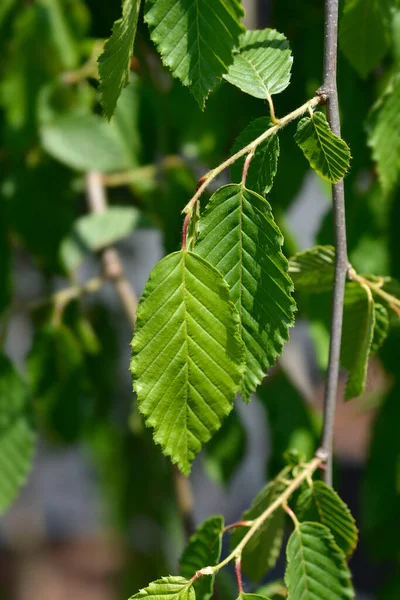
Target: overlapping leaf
(17,438)
(114,62)
(263,64)
(364,33)
(167,588)
(238,235)
(187,361)
(327,154)
(196,39)
(204,549)
(261,552)
(384,135)
(316,567)
(323,505)
(358,331)
(264,163)
(313,270)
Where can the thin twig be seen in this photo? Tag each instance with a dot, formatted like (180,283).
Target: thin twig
(329,90)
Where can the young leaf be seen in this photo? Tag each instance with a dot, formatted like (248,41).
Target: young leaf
(17,438)
(327,154)
(381,328)
(358,331)
(238,235)
(262,67)
(114,62)
(316,567)
(173,588)
(313,270)
(95,231)
(264,163)
(196,39)
(226,450)
(204,549)
(364,34)
(186,389)
(384,135)
(323,505)
(262,551)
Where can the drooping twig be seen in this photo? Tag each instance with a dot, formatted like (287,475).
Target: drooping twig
(329,90)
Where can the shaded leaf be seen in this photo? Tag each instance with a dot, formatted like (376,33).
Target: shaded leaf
(364,34)
(316,567)
(323,505)
(313,270)
(226,450)
(173,588)
(95,231)
(262,67)
(358,331)
(114,62)
(186,390)
(381,328)
(204,549)
(327,154)
(195,39)
(238,235)
(17,437)
(262,551)
(275,589)
(264,163)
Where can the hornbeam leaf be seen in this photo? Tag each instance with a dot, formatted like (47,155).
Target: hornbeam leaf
(313,270)
(381,328)
(323,505)
(364,33)
(327,154)
(238,235)
(204,548)
(187,361)
(114,62)
(264,163)
(17,438)
(384,135)
(316,567)
(358,331)
(196,39)
(263,64)
(167,588)
(262,550)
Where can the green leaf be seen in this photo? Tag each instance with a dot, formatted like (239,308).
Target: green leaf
(313,270)
(238,235)
(327,154)
(323,505)
(244,596)
(168,588)
(95,231)
(358,331)
(275,589)
(226,450)
(262,67)
(114,62)
(196,39)
(186,390)
(17,438)
(204,549)
(262,551)
(384,135)
(316,567)
(381,328)
(264,163)
(364,34)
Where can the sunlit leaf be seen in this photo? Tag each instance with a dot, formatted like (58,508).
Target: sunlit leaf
(187,389)
(173,588)
(238,235)
(327,154)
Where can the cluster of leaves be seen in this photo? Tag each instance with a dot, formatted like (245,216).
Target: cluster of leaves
(221,307)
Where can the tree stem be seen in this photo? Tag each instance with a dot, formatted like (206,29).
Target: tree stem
(329,89)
